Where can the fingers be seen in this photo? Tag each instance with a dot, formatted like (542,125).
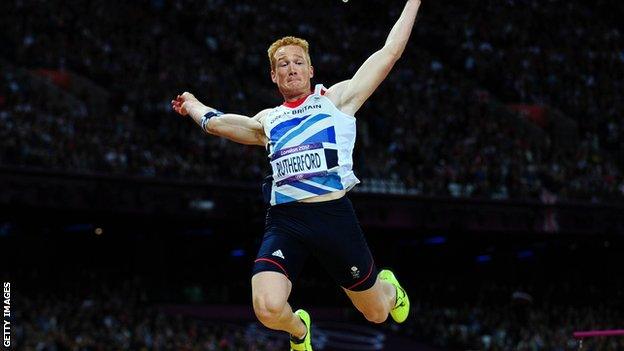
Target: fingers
(188,96)
(177,105)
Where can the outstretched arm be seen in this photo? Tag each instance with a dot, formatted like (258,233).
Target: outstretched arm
(350,95)
(238,128)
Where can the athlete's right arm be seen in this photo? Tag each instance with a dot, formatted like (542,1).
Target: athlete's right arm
(238,128)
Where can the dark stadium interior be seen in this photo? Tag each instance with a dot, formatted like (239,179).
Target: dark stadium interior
(58,262)
(491,160)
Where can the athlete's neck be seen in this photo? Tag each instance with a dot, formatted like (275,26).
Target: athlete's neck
(293,98)
(295,101)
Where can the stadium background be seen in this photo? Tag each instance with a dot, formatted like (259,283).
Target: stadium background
(491,161)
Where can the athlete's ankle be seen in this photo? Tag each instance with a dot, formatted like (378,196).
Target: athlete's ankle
(305,330)
(303,336)
(393,293)
(395,299)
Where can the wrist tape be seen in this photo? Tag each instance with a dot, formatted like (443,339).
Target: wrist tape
(204,120)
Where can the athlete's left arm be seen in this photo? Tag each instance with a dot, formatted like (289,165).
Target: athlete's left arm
(351,94)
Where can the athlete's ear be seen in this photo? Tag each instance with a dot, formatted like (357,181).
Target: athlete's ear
(273,76)
(311,71)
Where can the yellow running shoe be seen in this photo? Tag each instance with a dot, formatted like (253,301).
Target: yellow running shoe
(402,306)
(306,343)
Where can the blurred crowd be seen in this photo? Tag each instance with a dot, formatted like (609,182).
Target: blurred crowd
(429,129)
(502,317)
(452,316)
(121,318)
(565,54)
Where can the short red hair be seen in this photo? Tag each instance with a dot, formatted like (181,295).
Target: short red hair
(285,41)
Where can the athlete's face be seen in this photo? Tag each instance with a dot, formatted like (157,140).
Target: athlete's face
(292,71)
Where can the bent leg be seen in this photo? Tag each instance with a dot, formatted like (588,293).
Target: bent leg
(270,291)
(376,302)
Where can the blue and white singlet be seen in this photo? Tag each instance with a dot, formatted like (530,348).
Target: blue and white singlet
(310,150)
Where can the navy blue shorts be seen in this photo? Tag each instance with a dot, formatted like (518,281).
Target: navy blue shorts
(327,230)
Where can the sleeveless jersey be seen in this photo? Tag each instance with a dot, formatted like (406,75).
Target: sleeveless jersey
(310,150)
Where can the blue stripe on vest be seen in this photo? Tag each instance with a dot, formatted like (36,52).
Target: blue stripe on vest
(327,135)
(309,188)
(331,180)
(279,130)
(300,129)
(281,198)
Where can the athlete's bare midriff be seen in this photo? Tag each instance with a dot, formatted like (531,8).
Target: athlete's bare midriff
(325,197)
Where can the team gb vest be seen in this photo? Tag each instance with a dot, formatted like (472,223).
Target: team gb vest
(310,150)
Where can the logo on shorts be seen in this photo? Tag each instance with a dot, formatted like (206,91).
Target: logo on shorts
(355,272)
(279,254)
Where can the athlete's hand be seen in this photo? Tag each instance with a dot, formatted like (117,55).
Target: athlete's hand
(182,103)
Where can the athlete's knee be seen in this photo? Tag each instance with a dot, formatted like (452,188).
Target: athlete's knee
(268,308)
(375,315)
(373,310)
(371,303)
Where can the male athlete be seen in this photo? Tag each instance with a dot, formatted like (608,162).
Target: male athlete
(310,139)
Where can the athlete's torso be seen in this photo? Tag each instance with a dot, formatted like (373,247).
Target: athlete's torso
(310,149)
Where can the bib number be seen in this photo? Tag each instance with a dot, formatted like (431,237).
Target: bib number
(299,162)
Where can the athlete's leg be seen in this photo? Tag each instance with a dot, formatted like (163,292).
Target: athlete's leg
(376,302)
(270,291)
(280,259)
(340,246)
